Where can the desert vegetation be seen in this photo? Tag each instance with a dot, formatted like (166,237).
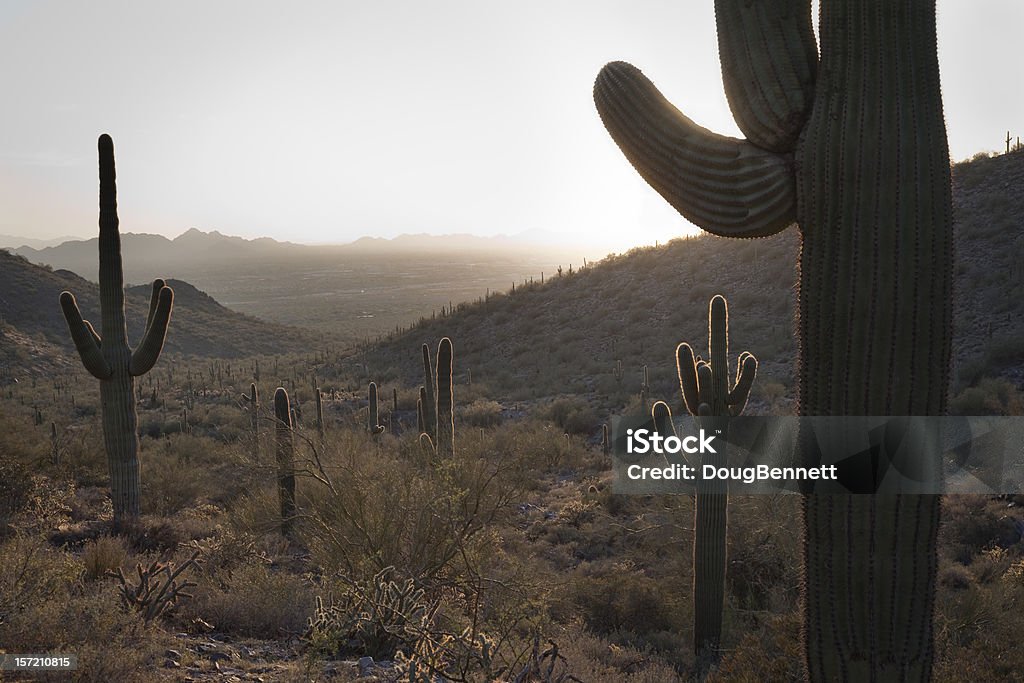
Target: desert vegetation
(490,549)
(436,503)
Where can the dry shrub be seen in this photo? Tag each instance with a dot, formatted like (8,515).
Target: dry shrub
(616,598)
(770,653)
(972,523)
(44,608)
(398,509)
(251,600)
(482,413)
(104,554)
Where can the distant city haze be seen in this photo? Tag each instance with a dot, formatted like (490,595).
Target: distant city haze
(322,122)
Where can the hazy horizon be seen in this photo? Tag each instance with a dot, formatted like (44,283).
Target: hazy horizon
(327,122)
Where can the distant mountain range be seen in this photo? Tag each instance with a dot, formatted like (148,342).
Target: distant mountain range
(14,242)
(194,251)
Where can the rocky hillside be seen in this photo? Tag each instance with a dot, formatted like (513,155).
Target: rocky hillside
(568,335)
(32,327)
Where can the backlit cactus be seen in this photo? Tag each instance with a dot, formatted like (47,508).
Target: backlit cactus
(445,441)
(374,426)
(853,147)
(285,459)
(442,408)
(253,397)
(709,392)
(108,357)
(429,407)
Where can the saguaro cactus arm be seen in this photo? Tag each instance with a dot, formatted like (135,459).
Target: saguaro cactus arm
(148,350)
(706,387)
(769,61)
(87,342)
(726,186)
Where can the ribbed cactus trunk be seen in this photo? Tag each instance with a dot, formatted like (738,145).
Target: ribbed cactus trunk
(285,459)
(854,148)
(875,324)
(445,442)
(108,356)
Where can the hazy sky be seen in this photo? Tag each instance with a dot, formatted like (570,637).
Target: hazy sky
(325,121)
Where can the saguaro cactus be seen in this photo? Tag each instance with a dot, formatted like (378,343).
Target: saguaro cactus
(319,397)
(285,459)
(442,408)
(254,420)
(108,358)
(429,407)
(373,419)
(854,148)
(445,400)
(709,392)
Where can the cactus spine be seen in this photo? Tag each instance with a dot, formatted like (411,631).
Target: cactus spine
(854,149)
(708,392)
(108,357)
(373,422)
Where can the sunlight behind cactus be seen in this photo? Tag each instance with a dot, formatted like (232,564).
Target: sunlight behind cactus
(854,149)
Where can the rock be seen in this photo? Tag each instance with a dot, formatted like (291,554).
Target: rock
(365,664)
(172,664)
(173,654)
(217,657)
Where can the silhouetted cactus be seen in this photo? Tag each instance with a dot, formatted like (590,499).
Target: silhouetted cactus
(662,416)
(443,439)
(285,459)
(421,422)
(708,391)
(374,427)
(109,358)
(320,427)
(854,149)
(429,406)
(253,397)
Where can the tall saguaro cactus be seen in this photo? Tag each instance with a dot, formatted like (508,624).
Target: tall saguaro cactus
(373,425)
(445,400)
(853,147)
(429,407)
(108,357)
(435,411)
(708,391)
(285,443)
(253,397)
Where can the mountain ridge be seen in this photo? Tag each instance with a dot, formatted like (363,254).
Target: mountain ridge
(30,312)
